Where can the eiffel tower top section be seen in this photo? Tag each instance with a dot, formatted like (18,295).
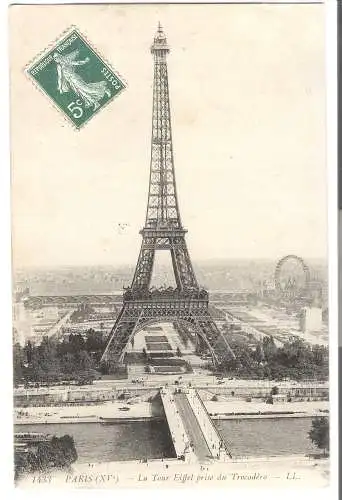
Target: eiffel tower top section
(160,46)
(162,209)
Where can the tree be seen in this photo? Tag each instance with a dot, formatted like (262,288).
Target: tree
(68,363)
(94,341)
(178,352)
(104,368)
(319,354)
(319,433)
(269,348)
(56,452)
(85,362)
(77,343)
(47,357)
(17,363)
(28,351)
(258,354)
(274,390)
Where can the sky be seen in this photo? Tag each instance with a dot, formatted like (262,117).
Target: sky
(247,90)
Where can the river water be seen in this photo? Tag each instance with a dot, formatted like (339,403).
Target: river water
(267,437)
(116,442)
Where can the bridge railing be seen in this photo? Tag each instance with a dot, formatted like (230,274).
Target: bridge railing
(179,435)
(214,440)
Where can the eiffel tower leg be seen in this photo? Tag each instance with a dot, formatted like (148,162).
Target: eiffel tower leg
(121,332)
(182,267)
(200,344)
(216,342)
(143,271)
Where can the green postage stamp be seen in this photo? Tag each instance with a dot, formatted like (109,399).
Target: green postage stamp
(76,78)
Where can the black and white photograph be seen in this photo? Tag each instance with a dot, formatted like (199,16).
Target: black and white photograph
(169,188)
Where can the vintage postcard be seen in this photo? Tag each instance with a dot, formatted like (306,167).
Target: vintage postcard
(169,334)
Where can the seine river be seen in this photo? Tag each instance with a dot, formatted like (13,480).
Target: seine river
(255,437)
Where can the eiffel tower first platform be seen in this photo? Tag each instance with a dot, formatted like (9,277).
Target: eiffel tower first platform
(187,304)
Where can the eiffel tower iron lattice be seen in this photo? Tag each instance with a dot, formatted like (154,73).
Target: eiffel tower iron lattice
(187,304)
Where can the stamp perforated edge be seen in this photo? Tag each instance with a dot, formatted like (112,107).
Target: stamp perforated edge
(47,49)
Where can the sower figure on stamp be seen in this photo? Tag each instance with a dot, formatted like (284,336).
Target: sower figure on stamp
(68,79)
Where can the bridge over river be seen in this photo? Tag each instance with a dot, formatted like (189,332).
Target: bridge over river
(194,435)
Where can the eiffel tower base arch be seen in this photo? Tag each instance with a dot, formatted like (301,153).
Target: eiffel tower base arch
(191,312)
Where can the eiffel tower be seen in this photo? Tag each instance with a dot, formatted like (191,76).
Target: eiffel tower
(187,304)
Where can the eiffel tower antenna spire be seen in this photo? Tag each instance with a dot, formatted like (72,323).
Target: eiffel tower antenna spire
(163,230)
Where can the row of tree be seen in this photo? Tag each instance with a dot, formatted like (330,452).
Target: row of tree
(59,452)
(52,360)
(73,358)
(295,360)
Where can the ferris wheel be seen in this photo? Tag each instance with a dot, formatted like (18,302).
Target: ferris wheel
(292,275)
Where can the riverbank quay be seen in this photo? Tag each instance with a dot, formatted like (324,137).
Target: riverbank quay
(294,471)
(119,412)
(112,412)
(148,387)
(255,409)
